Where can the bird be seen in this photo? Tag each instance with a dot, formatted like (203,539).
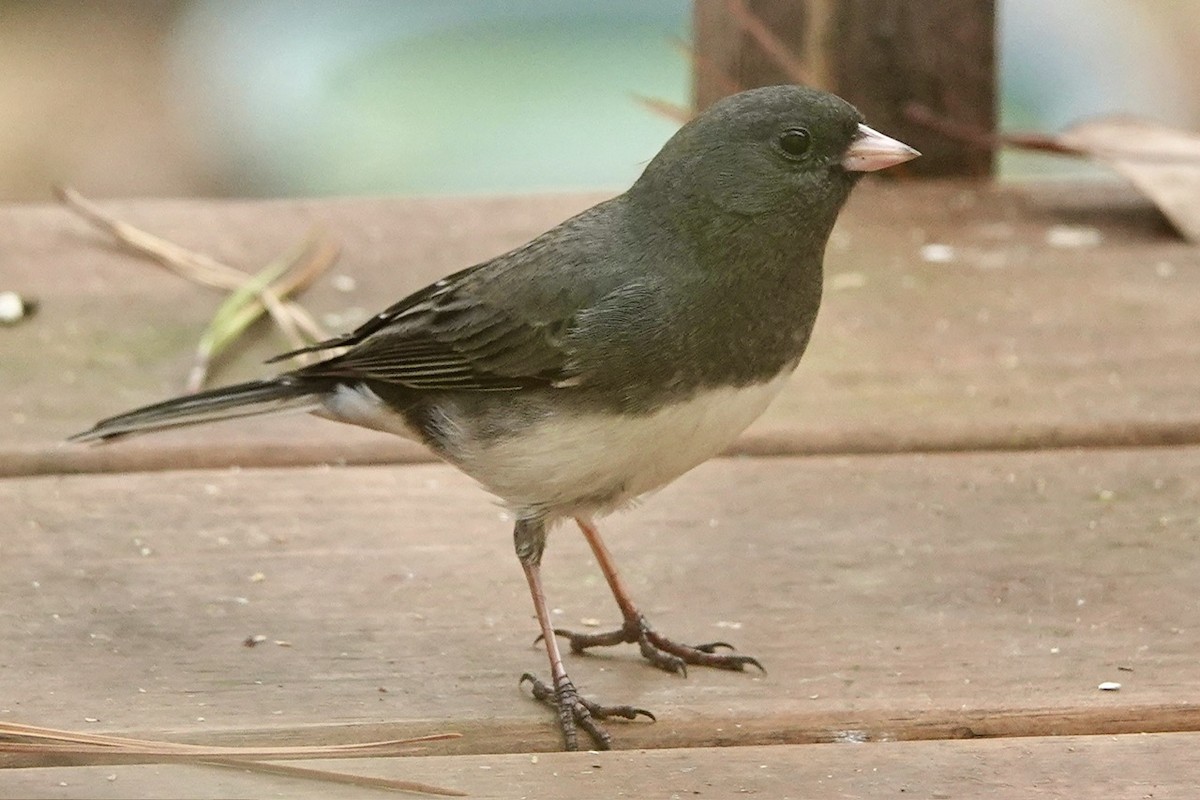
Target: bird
(604,358)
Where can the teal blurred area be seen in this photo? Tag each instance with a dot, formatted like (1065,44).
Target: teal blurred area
(310,97)
(423,96)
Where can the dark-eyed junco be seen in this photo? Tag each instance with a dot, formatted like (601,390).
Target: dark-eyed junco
(609,355)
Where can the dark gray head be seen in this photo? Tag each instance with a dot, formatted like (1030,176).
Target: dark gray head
(782,152)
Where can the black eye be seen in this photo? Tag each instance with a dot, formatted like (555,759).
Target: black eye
(795,142)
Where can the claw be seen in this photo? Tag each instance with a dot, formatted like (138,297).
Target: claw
(574,710)
(661,651)
(754,662)
(539,690)
(634,713)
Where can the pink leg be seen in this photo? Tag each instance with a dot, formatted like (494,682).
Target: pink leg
(656,648)
(572,709)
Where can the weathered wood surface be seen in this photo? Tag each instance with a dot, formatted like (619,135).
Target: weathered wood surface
(114,331)
(907,596)
(1014,343)
(1161,766)
(891,597)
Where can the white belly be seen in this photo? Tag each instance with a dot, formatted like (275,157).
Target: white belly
(594,463)
(588,463)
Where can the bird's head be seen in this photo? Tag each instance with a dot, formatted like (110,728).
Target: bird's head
(785,152)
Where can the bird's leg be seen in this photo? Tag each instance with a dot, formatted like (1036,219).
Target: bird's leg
(574,711)
(656,648)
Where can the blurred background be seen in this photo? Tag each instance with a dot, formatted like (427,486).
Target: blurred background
(307,97)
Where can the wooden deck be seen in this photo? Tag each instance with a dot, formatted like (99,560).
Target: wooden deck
(977,502)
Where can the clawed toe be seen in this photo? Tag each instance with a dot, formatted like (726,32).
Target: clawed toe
(660,651)
(579,712)
(575,712)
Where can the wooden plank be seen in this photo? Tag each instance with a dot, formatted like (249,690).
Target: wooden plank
(1012,343)
(881,55)
(891,597)
(114,331)
(1162,766)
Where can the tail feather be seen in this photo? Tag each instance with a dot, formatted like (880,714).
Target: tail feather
(241,400)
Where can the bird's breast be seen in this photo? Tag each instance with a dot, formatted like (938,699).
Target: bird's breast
(574,461)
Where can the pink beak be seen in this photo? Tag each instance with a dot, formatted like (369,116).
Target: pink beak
(871,150)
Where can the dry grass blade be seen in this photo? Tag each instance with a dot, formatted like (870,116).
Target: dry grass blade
(53,742)
(236,314)
(311,261)
(253,295)
(186,263)
(344,778)
(267,291)
(305,321)
(60,742)
(174,752)
(771,44)
(272,297)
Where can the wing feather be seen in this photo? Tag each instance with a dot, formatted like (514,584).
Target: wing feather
(502,325)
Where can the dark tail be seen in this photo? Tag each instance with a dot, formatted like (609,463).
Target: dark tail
(241,400)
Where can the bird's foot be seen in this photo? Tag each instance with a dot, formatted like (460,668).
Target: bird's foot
(578,712)
(659,650)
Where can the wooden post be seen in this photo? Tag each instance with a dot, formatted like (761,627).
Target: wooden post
(881,55)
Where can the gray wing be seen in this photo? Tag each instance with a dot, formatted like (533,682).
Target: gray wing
(452,339)
(502,325)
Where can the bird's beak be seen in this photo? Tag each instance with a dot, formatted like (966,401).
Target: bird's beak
(871,150)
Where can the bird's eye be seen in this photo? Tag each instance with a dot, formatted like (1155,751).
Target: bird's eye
(794,143)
